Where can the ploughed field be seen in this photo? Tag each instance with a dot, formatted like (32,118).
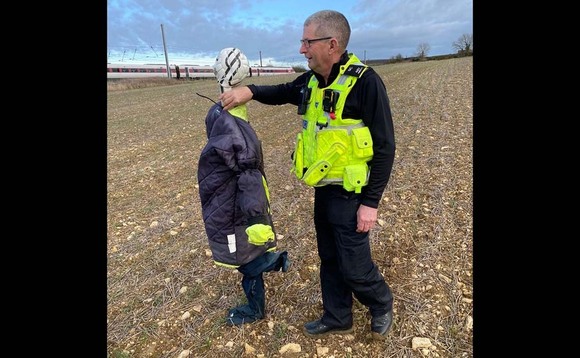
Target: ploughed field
(165,297)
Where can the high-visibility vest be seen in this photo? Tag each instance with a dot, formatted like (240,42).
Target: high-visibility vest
(331,149)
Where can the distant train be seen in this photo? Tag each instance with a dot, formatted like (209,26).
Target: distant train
(118,70)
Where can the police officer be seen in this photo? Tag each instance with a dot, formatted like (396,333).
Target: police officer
(345,151)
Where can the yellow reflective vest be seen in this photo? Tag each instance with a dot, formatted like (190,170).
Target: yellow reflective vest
(331,149)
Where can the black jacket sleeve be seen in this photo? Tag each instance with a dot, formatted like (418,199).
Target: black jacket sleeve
(280,94)
(376,114)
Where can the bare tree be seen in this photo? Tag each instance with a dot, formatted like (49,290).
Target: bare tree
(464,44)
(423,49)
(397,58)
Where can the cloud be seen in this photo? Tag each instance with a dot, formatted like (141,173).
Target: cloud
(197,30)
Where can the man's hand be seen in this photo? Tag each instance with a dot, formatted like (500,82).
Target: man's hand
(366,218)
(235,97)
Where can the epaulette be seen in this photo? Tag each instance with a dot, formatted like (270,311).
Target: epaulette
(355,70)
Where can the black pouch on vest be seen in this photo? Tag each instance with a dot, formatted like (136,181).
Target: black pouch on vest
(329,100)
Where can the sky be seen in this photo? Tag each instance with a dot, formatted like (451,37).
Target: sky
(268,31)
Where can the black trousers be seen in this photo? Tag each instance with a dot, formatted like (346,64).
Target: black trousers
(346,265)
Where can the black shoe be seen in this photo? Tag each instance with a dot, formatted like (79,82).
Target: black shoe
(380,325)
(317,329)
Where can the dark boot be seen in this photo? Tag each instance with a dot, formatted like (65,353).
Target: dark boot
(256,306)
(253,285)
(380,325)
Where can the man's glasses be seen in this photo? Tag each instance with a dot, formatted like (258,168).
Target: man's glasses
(307,42)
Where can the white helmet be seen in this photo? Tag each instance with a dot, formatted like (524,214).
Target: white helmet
(231,67)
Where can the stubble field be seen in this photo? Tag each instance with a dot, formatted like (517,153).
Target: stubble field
(165,298)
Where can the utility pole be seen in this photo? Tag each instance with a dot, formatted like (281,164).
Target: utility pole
(165,50)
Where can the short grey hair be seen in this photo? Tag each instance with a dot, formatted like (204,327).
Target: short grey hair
(330,23)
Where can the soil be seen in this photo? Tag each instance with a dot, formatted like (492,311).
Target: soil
(165,297)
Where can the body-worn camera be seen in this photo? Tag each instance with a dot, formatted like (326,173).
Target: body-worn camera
(305,97)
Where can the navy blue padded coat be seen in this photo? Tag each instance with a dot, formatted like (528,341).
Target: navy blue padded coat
(232,187)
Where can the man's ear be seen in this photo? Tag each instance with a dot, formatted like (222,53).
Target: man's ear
(333,45)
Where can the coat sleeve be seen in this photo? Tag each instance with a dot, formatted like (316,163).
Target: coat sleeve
(377,116)
(252,196)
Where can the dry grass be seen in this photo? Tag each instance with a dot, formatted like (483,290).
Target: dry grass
(159,270)
(136,83)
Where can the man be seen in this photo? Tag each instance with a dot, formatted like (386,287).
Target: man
(234,194)
(346,152)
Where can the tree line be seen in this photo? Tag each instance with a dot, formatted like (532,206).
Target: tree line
(463,45)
